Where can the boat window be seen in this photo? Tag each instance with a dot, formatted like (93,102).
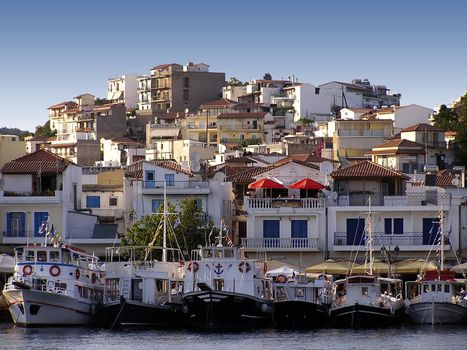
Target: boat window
(41,255)
(66,257)
(19,254)
(299,292)
(30,255)
(426,288)
(281,296)
(365,291)
(207,253)
(446,288)
(218,253)
(54,256)
(438,287)
(433,287)
(218,284)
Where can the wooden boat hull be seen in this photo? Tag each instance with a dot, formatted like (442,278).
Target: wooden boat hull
(226,310)
(364,316)
(299,314)
(138,314)
(436,313)
(36,308)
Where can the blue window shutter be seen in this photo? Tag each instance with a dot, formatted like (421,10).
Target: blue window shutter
(93,201)
(299,229)
(8,225)
(22,225)
(271,229)
(170,179)
(388,226)
(39,218)
(398,226)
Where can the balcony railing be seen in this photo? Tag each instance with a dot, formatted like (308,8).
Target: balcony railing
(280,243)
(372,133)
(240,127)
(411,199)
(175,184)
(270,203)
(29,194)
(380,238)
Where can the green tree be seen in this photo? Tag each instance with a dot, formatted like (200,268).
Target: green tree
(44,130)
(446,118)
(186,228)
(235,82)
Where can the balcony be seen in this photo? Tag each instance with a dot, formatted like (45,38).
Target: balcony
(177,187)
(361,133)
(425,199)
(280,244)
(18,197)
(274,203)
(416,241)
(28,237)
(241,127)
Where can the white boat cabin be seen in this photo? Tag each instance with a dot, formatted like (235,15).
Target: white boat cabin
(140,274)
(302,289)
(221,268)
(57,269)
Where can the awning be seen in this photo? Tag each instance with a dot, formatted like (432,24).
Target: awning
(284,270)
(307,184)
(330,266)
(265,183)
(413,266)
(115,96)
(378,267)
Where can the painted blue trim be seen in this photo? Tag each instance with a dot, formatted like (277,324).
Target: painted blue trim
(35,263)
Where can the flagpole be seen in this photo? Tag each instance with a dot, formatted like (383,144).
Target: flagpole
(442,237)
(164,243)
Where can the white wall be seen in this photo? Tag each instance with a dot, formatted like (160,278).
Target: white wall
(17,182)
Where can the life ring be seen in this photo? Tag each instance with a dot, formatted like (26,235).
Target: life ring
(93,277)
(193,265)
(244,266)
(54,271)
(281,279)
(27,270)
(77,274)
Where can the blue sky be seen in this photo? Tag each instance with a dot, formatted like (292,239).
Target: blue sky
(51,51)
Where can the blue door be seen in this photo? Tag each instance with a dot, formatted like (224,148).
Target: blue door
(430,230)
(271,229)
(299,229)
(39,218)
(355,231)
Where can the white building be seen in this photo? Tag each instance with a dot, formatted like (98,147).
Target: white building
(123,89)
(144,92)
(41,187)
(405,116)
(120,151)
(144,190)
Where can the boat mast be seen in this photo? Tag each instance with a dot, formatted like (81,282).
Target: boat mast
(442,237)
(164,242)
(370,238)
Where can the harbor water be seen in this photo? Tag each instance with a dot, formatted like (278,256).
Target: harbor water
(407,337)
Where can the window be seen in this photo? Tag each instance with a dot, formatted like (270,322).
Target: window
(41,255)
(271,228)
(54,256)
(199,203)
(149,177)
(446,288)
(113,202)
(30,255)
(39,219)
(16,224)
(299,292)
(186,82)
(393,226)
(155,204)
(93,201)
(170,179)
(185,95)
(299,228)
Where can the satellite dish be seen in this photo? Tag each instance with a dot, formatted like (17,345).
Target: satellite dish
(326,167)
(219,177)
(186,110)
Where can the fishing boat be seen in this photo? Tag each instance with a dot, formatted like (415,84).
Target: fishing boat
(224,291)
(300,302)
(54,285)
(367,300)
(143,287)
(437,297)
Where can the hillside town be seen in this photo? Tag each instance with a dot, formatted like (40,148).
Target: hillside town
(290,167)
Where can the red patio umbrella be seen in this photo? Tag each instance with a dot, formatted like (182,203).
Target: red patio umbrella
(307,184)
(265,183)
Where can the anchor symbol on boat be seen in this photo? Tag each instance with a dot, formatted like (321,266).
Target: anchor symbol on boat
(41,268)
(218,269)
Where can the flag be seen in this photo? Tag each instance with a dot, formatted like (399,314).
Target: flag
(177,223)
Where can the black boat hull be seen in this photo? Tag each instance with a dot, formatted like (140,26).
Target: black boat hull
(364,316)
(226,310)
(137,314)
(299,314)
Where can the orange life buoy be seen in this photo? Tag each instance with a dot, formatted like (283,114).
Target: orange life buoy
(77,274)
(281,279)
(193,265)
(27,270)
(93,277)
(244,266)
(54,271)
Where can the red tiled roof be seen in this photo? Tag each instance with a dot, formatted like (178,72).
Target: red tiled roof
(445,178)
(162,66)
(241,115)
(450,133)
(171,115)
(121,139)
(360,110)
(398,146)
(249,105)
(223,102)
(366,169)
(106,106)
(70,104)
(421,127)
(38,138)
(41,161)
(272,81)
(81,95)
(135,170)
(305,157)
(240,160)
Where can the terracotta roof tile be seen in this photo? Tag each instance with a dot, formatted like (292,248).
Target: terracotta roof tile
(305,157)
(41,161)
(421,127)
(366,169)
(223,102)
(398,146)
(242,115)
(171,115)
(135,170)
(69,104)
